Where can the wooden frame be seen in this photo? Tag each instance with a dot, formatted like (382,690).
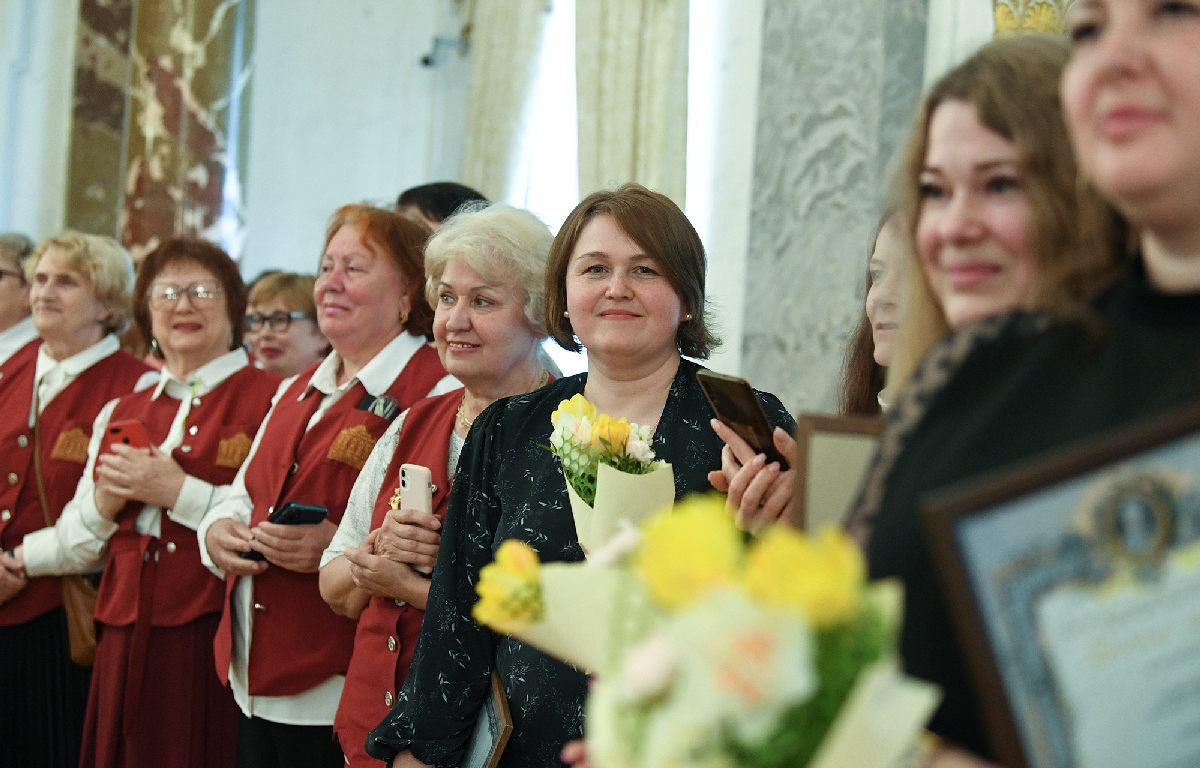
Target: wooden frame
(820,438)
(491,731)
(1084,473)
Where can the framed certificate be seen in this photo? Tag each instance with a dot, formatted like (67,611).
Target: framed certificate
(492,729)
(1074,586)
(833,454)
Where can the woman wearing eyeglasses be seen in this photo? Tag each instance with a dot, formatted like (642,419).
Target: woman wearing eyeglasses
(155,698)
(281,324)
(78,287)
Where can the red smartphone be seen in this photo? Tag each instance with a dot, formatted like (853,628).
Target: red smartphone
(129,432)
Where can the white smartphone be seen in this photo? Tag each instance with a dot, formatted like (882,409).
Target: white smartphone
(416,492)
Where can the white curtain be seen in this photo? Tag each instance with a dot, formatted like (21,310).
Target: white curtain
(504,39)
(631,59)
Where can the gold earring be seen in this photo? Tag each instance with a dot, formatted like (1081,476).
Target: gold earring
(403,317)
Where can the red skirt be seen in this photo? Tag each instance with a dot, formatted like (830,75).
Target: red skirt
(182,715)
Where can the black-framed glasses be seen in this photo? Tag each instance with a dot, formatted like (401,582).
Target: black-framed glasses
(277,321)
(199,293)
(14,275)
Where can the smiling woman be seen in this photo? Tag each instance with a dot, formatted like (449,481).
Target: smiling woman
(287,664)
(136,509)
(52,391)
(624,279)
(991,188)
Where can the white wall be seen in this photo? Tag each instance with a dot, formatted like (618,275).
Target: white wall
(37,69)
(955,28)
(723,68)
(343,111)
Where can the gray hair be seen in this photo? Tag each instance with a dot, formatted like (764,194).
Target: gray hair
(503,244)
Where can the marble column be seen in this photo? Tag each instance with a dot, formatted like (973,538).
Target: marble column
(160,124)
(838,84)
(187,131)
(103,41)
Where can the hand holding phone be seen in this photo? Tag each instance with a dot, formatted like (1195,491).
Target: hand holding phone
(737,407)
(129,432)
(291,514)
(416,492)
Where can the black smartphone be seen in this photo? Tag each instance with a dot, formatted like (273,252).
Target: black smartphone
(291,514)
(737,407)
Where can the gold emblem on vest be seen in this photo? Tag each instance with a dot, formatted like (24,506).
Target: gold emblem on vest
(71,445)
(352,446)
(232,451)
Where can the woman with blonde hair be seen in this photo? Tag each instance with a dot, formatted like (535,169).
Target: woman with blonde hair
(79,290)
(997,222)
(486,271)
(990,186)
(1013,388)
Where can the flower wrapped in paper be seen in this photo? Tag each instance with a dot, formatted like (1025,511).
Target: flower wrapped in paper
(712,652)
(609,469)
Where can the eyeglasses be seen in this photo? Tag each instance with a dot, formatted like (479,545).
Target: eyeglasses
(197,292)
(14,275)
(277,321)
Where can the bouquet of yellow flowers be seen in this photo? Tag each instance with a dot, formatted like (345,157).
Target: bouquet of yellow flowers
(711,653)
(609,468)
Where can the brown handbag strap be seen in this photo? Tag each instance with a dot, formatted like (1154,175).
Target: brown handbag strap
(37,457)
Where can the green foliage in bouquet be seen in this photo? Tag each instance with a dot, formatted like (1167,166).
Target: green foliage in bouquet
(842,653)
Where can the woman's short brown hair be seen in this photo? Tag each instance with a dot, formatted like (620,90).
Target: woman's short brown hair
(656,224)
(207,255)
(294,290)
(403,240)
(1076,237)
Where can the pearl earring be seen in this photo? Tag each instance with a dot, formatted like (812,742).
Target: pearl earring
(687,318)
(566,314)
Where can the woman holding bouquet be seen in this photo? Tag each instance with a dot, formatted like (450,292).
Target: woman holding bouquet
(626,279)
(486,282)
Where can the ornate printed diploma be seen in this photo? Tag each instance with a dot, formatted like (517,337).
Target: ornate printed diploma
(1075,587)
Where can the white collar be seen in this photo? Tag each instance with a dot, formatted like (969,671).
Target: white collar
(78,362)
(204,379)
(16,337)
(376,376)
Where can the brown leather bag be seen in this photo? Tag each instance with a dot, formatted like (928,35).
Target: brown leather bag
(78,594)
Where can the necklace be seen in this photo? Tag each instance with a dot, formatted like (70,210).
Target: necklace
(466,423)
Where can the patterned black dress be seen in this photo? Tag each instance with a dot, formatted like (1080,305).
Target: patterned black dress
(509,487)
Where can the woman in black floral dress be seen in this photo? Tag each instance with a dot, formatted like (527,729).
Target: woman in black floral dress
(625,278)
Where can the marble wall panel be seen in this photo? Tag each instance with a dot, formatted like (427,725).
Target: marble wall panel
(103,38)
(837,85)
(187,128)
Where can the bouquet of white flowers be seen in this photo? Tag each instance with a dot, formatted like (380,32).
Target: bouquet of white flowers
(713,653)
(610,471)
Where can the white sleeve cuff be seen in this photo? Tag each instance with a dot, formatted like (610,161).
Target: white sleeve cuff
(193,501)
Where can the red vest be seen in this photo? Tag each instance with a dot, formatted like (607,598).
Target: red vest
(387,633)
(297,641)
(66,428)
(167,570)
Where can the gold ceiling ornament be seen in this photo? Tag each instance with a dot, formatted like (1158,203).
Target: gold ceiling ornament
(1031,16)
